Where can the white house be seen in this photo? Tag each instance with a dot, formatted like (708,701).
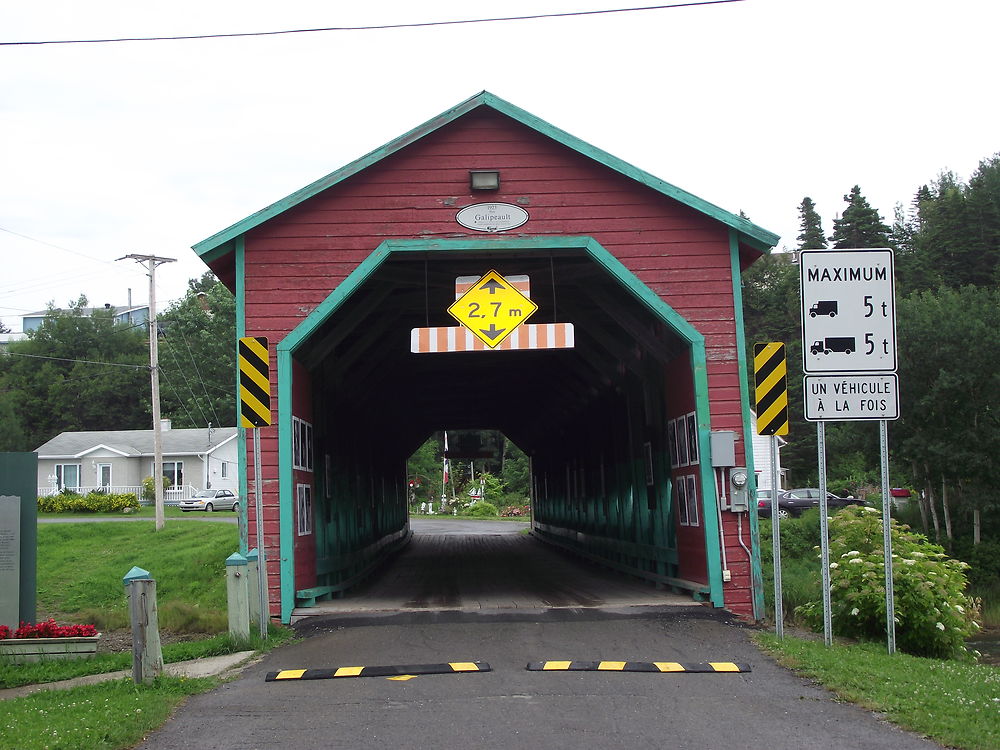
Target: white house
(118,460)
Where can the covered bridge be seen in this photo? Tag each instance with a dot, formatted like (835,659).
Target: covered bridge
(636,432)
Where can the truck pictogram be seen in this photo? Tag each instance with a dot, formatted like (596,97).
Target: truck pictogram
(824,307)
(845,344)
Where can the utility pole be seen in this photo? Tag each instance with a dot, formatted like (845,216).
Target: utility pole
(152,261)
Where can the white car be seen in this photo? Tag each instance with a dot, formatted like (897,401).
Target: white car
(210,500)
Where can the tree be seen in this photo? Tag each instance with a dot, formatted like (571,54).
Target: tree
(860,225)
(811,237)
(950,392)
(77,372)
(959,228)
(198,356)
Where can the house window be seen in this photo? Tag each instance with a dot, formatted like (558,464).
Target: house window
(225,470)
(692,439)
(68,476)
(303,496)
(302,444)
(174,471)
(692,500)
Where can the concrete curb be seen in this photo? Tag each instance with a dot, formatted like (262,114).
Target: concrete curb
(208,667)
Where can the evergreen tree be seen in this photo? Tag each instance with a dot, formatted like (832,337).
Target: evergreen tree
(811,237)
(860,225)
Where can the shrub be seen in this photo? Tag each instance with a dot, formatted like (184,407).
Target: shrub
(149,489)
(515,511)
(92,502)
(480,509)
(934,616)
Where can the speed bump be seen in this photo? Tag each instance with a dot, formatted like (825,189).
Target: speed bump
(636,666)
(388,671)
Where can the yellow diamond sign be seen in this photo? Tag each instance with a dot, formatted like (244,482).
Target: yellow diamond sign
(492,309)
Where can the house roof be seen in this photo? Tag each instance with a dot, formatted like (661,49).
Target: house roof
(88,311)
(223,242)
(176,442)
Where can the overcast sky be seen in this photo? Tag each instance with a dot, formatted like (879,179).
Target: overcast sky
(150,147)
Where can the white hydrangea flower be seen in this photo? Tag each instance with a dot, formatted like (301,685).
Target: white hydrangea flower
(855,560)
(855,611)
(939,626)
(960,608)
(834,565)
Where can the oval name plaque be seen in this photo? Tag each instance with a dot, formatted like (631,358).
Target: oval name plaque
(491,217)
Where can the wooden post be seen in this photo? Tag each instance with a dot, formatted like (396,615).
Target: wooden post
(147,656)
(237,594)
(253,585)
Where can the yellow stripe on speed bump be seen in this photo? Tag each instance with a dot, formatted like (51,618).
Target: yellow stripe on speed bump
(668,666)
(611,666)
(387,671)
(555,665)
(724,666)
(348,671)
(290,674)
(637,666)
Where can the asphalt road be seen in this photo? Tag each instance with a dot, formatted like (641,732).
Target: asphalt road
(510,707)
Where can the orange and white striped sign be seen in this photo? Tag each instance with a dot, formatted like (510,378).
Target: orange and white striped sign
(460,339)
(520,282)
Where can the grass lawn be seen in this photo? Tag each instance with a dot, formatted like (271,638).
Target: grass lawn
(80,569)
(16,675)
(81,565)
(111,716)
(953,703)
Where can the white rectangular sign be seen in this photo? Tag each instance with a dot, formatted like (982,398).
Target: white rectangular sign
(848,311)
(851,398)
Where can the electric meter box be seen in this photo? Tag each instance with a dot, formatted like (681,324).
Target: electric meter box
(723,444)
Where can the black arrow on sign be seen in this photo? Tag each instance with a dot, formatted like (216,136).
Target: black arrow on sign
(492,332)
(493,285)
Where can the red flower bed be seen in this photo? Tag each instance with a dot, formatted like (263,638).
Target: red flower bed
(48,629)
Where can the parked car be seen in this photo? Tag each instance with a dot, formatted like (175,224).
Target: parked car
(793,502)
(209,500)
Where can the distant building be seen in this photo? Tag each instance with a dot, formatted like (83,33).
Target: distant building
(131,315)
(118,460)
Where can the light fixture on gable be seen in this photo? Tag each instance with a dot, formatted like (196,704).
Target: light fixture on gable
(484,179)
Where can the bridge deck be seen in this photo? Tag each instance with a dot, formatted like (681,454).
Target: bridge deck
(488,566)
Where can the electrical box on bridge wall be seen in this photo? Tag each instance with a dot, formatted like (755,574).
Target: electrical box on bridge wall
(723,449)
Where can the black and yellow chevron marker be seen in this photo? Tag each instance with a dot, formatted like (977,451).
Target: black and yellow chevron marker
(408,670)
(255,382)
(770,374)
(636,666)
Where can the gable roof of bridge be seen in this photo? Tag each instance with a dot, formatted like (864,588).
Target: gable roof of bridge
(748,233)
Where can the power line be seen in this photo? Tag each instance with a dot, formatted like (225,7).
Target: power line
(82,361)
(381,27)
(211,403)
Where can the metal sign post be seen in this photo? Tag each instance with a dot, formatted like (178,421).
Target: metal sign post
(779,604)
(258,503)
(255,412)
(770,374)
(890,606)
(849,357)
(824,533)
